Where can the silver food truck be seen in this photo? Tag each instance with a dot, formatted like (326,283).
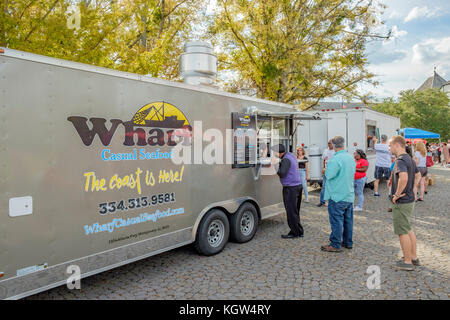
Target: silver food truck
(357,125)
(88,170)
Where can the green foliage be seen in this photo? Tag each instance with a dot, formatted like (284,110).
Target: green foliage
(292,51)
(428,110)
(140,36)
(295,51)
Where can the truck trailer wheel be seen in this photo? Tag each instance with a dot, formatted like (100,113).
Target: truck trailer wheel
(243,223)
(212,233)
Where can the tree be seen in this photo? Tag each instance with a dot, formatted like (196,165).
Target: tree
(140,36)
(296,51)
(428,110)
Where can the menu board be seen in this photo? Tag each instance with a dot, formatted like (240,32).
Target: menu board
(244,140)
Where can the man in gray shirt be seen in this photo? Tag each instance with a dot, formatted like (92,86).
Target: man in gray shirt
(405,177)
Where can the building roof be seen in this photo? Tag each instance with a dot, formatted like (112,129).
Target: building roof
(435,82)
(339,105)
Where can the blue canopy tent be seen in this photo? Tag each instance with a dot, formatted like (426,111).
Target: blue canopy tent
(414,133)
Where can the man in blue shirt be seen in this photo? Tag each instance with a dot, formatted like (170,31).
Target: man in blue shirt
(340,193)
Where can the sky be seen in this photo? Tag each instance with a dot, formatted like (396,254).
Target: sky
(420,41)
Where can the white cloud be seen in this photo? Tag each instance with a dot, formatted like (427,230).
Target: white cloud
(396,33)
(418,12)
(394,14)
(432,51)
(398,72)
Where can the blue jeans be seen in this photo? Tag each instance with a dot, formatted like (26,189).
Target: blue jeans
(341,221)
(322,191)
(359,191)
(304,182)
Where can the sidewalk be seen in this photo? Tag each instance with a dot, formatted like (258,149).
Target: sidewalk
(269,267)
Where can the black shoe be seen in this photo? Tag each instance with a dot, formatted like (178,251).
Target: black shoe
(321,205)
(289,236)
(345,246)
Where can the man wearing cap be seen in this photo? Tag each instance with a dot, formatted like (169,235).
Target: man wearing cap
(287,170)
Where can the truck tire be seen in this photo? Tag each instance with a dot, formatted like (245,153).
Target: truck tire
(243,223)
(212,233)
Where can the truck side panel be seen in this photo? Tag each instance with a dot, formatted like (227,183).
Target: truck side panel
(99,203)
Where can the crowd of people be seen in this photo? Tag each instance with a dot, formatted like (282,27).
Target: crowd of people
(440,153)
(345,176)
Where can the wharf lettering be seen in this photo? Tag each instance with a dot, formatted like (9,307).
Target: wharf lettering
(154,116)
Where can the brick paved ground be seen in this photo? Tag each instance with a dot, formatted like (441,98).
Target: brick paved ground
(269,267)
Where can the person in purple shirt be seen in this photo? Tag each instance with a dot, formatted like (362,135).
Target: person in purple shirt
(287,170)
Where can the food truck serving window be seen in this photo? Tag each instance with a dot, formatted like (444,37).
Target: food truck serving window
(371,131)
(271,131)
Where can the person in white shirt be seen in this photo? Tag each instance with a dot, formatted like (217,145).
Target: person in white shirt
(326,156)
(382,162)
(420,157)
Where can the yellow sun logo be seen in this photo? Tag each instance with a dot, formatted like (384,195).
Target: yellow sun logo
(160,115)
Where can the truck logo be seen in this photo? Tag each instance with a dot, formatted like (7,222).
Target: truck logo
(154,115)
(245,120)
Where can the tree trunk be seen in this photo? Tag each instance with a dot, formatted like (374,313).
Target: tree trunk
(161,23)
(3,26)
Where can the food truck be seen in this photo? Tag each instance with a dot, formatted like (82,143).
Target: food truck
(356,125)
(101,168)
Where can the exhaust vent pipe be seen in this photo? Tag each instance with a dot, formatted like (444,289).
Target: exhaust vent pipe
(198,64)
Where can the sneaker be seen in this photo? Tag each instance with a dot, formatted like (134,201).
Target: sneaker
(357,209)
(307,201)
(415,262)
(321,205)
(329,248)
(404,266)
(376,194)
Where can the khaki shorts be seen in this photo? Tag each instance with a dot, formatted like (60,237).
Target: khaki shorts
(401,214)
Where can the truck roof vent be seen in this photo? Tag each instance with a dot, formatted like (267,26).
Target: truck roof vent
(198,64)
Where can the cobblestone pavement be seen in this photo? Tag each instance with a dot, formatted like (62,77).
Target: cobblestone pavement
(269,267)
